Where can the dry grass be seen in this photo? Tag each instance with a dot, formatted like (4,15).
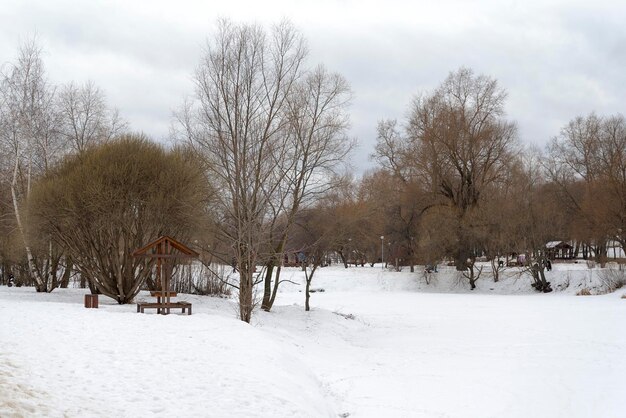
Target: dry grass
(583,292)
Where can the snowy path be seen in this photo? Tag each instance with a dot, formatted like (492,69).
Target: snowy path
(58,359)
(17,398)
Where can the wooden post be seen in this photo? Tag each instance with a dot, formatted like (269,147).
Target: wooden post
(166,284)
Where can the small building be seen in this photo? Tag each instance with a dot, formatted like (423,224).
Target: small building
(559,250)
(293,258)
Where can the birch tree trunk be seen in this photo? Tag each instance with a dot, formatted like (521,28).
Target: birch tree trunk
(32,267)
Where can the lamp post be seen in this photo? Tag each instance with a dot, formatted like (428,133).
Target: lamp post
(382,252)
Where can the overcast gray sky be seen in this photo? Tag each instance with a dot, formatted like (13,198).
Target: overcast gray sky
(556,59)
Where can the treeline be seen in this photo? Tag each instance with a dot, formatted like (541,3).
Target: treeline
(259,172)
(455,183)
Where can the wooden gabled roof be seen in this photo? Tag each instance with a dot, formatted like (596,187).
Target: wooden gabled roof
(169,241)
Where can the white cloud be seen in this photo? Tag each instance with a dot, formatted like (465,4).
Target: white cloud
(557,59)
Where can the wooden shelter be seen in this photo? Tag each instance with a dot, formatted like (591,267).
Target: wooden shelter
(167,251)
(559,250)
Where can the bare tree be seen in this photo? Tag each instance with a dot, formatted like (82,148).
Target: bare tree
(243,85)
(312,157)
(394,152)
(27,123)
(402,200)
(537,218)
(313,235)
(86,118)
(272,134)
(456,145)
(463,145)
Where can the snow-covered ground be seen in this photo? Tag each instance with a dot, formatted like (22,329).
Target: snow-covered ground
(376,344)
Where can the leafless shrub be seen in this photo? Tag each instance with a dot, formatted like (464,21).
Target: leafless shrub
(583,292)
(199,280)
(459,279)
(472,273)
(427,276)
(565,284)
(102,205)
(430,276)
(612,279)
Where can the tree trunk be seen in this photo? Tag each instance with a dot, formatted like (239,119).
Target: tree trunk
(307,291)
(245,294)
(601,253)
(537,270)
(4,278)
(40,286)
(343,258)
(495,268)
(472,276)
(93,288)
(460,261)
(275,260)
(51,272)
(65,279)
(472,279)
(276,281)
(267,284)
(307,296)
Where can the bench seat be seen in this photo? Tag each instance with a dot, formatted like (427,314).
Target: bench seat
(184,306)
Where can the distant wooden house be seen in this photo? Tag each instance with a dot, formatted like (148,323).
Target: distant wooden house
(559,250)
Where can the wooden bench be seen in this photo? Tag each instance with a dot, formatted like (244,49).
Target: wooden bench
(163,304)
(164,308)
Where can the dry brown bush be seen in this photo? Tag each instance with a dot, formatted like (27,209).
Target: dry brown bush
(105,203)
